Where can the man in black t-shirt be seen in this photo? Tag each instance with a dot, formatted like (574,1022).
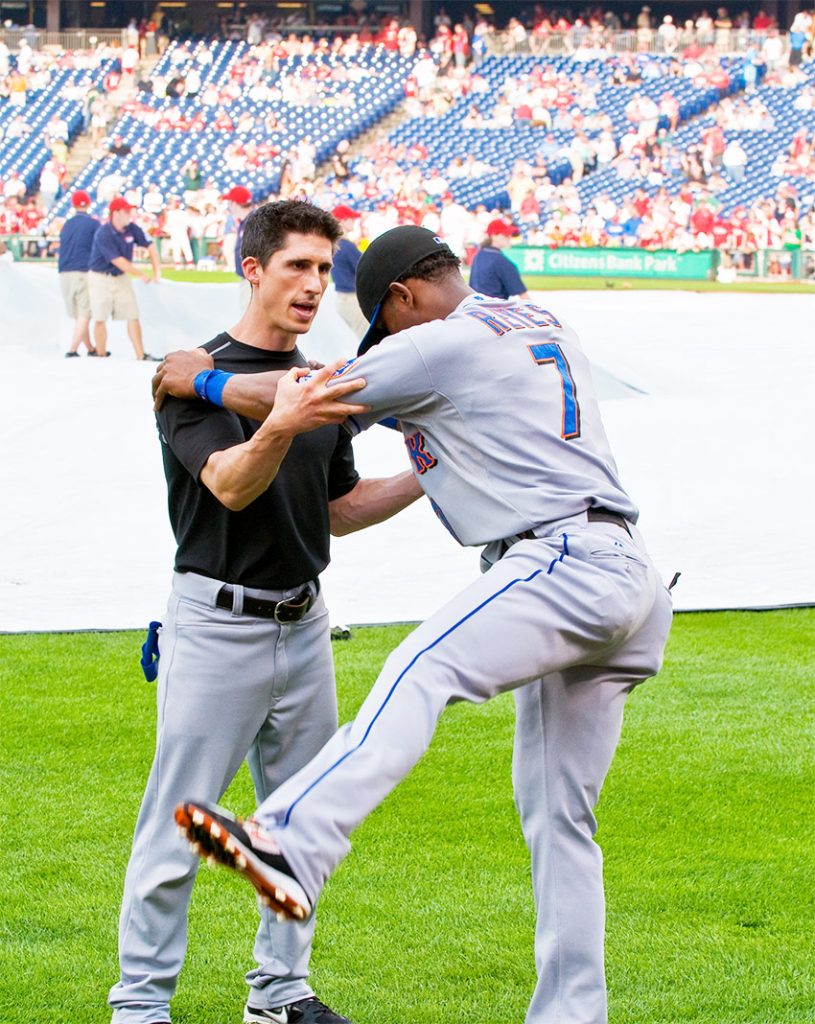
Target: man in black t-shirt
(246,660)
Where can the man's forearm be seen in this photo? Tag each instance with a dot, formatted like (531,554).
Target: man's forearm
(252,394)
(238,475)
(127,267)
(372,501)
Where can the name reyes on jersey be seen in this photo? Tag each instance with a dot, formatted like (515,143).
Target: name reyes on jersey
(517,317)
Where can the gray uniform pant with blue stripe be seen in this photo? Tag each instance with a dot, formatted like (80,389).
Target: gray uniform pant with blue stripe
(230,687)
(571,621)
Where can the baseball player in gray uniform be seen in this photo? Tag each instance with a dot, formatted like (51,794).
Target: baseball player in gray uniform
(496,405)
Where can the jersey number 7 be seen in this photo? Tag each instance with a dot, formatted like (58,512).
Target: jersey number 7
(550,352)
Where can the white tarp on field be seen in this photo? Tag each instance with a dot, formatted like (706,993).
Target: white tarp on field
(706,400)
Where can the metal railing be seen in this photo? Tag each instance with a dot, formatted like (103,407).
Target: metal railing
(629,41)
(770,265)
(44,248)
(497,43)
(69,39)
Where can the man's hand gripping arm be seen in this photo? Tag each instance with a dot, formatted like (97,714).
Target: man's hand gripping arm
(238,475)
(248,394)
(370,501)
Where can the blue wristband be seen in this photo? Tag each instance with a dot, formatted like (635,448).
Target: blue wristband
(199,384)
(214,386)
(209,385)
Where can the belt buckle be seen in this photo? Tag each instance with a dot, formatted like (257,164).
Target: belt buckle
(291,610)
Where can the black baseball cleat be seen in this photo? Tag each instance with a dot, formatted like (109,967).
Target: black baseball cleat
(147,358)
(304,1011)
(242,845)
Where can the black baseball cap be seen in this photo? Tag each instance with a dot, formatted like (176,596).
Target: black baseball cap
(387,258)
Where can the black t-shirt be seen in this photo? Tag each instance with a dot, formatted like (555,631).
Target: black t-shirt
(282,538)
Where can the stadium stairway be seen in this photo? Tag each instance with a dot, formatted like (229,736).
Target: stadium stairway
(79,156)
(379,131)
(80,151)
(376,133)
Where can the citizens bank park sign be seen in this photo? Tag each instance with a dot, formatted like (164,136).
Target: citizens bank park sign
(695,266)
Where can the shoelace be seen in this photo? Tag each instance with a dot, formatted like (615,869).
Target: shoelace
(313,1002)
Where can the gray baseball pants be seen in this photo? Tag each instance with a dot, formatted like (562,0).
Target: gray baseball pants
(229,687)
(572,621)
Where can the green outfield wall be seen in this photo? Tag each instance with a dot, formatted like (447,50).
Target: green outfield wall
(693,266)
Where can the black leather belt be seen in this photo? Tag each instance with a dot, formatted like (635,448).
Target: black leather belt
(604,515)
(594,515)
(291,610)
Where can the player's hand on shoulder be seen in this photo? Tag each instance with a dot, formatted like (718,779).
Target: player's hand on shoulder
(304,401)
(176,373)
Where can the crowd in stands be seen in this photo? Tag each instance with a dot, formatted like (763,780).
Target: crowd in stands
(547,30)
(673,188)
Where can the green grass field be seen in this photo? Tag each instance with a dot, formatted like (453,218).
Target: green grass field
(555,283)
(705,822)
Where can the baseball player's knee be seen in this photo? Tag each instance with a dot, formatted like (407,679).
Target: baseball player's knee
(417,670)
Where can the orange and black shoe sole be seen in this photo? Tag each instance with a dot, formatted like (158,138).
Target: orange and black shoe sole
(212,841)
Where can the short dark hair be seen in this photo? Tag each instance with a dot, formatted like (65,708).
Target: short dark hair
(266,228)
(433,267)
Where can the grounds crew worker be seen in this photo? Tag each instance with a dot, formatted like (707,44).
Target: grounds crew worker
(75,243)
(492,273)
(111,267)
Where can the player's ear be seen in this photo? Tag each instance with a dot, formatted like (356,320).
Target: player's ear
(402,293)
(251,266)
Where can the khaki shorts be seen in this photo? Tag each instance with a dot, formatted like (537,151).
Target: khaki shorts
(112,297)
(74,285)
(348,308)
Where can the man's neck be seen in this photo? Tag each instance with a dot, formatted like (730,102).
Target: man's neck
(253,330)
(456,295)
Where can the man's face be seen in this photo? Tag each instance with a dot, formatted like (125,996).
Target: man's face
(294,280)
(120,219)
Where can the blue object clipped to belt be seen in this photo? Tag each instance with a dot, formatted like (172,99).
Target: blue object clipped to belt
(149,653)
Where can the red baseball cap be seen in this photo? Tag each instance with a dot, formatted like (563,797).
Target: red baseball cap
(500,227)
(343,212)
(238,194)
(80,198)
(120,203)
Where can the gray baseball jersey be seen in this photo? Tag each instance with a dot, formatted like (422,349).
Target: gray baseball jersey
(499,416)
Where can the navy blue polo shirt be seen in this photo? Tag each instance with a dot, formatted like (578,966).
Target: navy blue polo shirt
(75,242)
(109,244)
(494,275)
(344,271)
